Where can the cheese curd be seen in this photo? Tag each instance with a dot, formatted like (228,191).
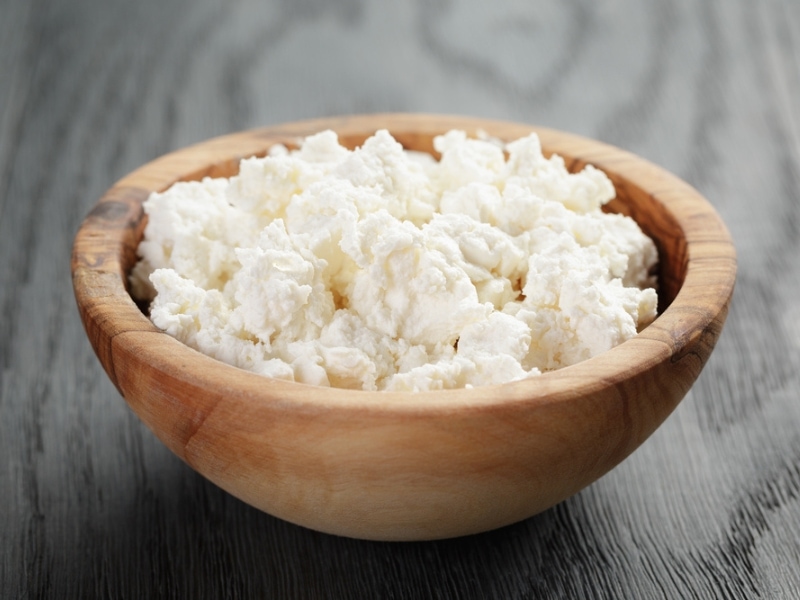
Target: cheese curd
(382,269)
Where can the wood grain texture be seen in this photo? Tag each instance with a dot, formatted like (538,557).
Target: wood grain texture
(95,506)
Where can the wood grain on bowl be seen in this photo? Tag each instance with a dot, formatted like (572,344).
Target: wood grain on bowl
(404,466)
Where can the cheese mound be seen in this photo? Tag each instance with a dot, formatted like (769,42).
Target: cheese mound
(382,269)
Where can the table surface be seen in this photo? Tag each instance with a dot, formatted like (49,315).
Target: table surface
(95,506)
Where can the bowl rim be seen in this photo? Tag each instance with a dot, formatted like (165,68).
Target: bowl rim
(110,230)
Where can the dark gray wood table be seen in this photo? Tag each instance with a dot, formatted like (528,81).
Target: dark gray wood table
(92,505)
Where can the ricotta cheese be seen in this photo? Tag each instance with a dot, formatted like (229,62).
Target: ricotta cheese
(382,269)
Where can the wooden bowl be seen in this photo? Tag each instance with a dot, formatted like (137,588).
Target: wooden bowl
(399,465)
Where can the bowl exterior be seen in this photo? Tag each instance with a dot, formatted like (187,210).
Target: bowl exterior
(402,466)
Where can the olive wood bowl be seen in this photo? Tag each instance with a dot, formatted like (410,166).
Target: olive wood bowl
(401,465)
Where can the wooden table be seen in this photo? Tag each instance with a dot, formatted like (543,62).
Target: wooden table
(94,506)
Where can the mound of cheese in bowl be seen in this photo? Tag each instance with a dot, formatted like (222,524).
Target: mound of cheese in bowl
(382,269)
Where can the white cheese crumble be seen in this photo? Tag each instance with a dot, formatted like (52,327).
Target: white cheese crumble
(381,269)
